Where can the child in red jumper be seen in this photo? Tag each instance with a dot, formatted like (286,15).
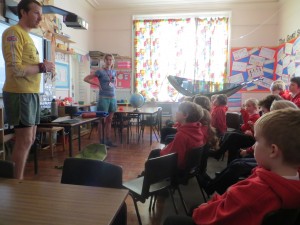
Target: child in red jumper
(278,87)
(295,90)
(275,181)
(218,114)
(189,133)
(250,115)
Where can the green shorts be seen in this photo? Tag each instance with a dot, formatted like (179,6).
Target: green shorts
(107,104)
(22,109)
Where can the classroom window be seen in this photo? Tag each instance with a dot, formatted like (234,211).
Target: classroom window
(195,48)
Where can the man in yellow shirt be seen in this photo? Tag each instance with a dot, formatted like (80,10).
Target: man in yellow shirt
(22,81)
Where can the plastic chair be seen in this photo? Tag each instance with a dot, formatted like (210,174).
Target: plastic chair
(196,165)
(282,216)
(154,122)
(233,121)
(95,173)
(119,123)
(7,169)
(159,174)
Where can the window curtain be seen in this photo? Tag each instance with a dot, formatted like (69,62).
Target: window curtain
(193,48)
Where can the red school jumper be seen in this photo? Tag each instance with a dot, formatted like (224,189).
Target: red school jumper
(248,201)
(188,136)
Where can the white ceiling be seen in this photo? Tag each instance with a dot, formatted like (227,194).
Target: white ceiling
(119,4)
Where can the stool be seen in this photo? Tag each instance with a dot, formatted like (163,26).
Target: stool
(51,131)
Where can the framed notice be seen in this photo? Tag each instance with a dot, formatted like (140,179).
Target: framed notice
(123,79)
(62,78)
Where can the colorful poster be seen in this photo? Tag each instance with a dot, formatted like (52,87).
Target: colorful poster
(123,79)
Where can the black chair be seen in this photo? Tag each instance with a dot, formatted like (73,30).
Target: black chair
(154,121)
(282,216)
(159,174)
(196,166)
(7,169)
(95,173)
(233,121)
(120,122)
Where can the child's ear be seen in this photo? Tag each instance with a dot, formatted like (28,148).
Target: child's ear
(275,151)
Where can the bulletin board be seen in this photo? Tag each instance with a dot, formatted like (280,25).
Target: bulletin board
(123,79)
(248,64)
(288,60)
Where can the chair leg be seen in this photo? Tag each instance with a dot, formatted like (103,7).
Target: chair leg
(201,189)
(137,211)
(173,201)
(182,200)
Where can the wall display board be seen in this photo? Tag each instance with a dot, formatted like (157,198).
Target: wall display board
(123,79)
(248,64)
(288,60)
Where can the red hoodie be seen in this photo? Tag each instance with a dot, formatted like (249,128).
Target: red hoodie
(286,95)
(188,136)
(248,118)
(218,118)
(248,201)
(296,99)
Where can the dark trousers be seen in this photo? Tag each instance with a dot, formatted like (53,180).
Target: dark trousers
(233,142)
(231,174)
(179,220)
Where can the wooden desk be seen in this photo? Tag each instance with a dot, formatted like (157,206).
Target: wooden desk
(145,110)
(68,127)
(34,202)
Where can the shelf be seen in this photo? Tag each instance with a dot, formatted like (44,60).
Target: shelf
(63,38)
(64,51)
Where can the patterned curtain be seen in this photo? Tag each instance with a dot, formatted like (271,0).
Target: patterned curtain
(193,48)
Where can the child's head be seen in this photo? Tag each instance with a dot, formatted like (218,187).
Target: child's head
(220,100)
(203,101)
(188,99)
(213,98)
(251,105)
(295,85)
(277,86)
(277,139)
(189,112)
(265,103)
(283,104)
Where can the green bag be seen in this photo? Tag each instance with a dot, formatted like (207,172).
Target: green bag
(93,151)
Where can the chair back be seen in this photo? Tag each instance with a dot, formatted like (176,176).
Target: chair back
(91,172)
(160,173)
(282,216)
(233,120)
(7,169)
(196,163)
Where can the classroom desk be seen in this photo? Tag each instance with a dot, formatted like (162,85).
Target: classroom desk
(68,127)
(34,202)
(143,111)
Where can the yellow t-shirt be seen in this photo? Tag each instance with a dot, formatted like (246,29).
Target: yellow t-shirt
(19,51)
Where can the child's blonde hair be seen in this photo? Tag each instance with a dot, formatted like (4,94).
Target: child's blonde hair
(282,128)
(194,112)
(252,101)
(109,55)
(282,104)
(278,85)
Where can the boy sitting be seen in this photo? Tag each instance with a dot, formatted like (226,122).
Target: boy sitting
(274,184)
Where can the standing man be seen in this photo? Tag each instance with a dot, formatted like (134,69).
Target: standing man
(107,95)
(22,83)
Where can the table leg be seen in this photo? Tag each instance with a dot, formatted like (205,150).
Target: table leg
(79,139)
(151,129)
(103,129)
(70,142)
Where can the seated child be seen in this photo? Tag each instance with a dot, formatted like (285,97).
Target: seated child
(189,133)
(218,114)
(295,90)
(278,87)
(250,115)
(275,181)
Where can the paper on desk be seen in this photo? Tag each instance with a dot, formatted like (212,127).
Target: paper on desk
(59,119)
